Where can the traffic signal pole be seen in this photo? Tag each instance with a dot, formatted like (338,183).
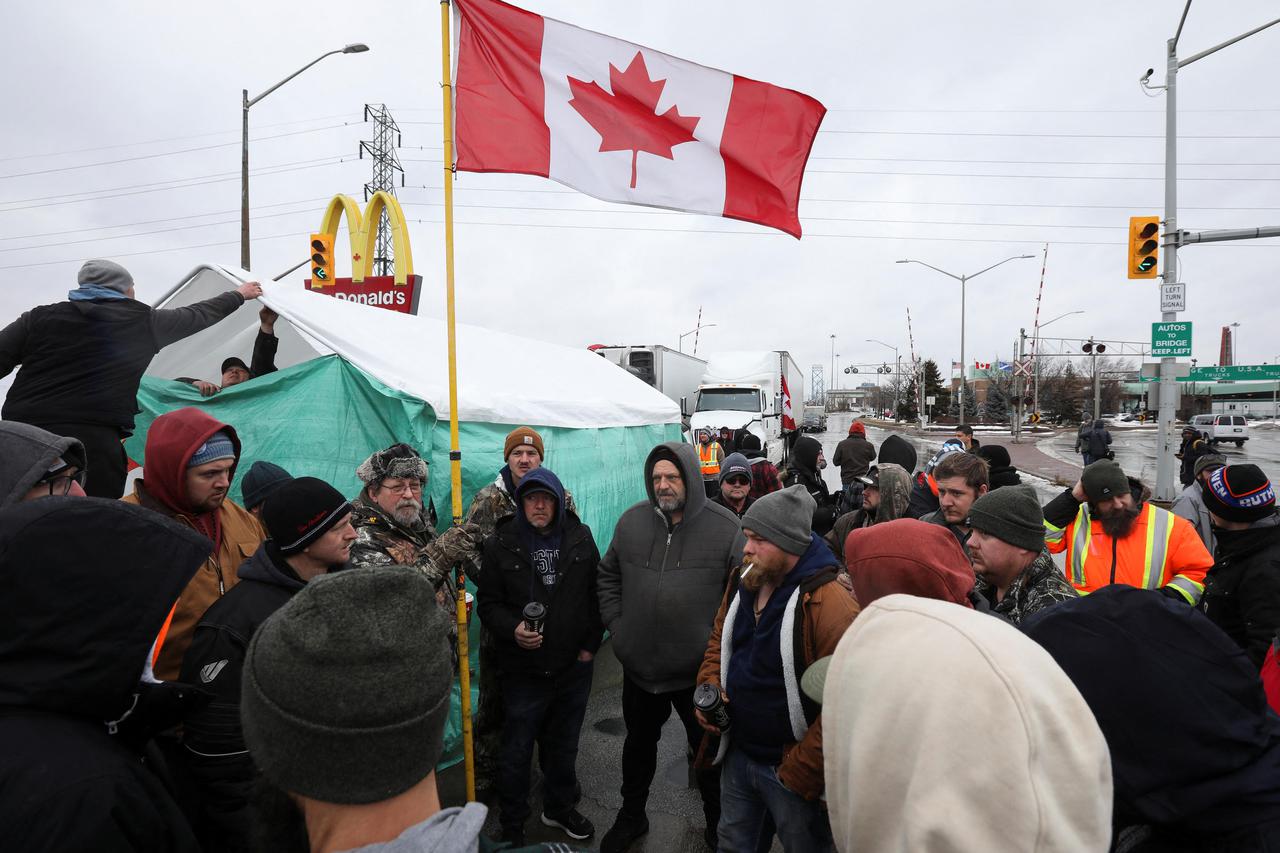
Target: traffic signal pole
(1166,446)
(1168,384)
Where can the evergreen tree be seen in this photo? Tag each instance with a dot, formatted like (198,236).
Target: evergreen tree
(933,387)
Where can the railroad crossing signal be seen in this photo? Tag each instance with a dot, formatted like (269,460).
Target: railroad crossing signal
(322,257)
(1144,246)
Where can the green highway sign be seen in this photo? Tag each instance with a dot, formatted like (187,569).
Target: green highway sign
(1235,373)
(1170,339)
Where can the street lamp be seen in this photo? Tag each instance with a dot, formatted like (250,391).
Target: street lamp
(898,377)
(1035,393)
(245,103)
(680,343)
(962,279)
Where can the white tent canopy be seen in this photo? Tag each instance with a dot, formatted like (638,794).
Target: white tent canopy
(501,378)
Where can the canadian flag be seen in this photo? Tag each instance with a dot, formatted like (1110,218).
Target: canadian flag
(625,123)
(788,414)
(982,365)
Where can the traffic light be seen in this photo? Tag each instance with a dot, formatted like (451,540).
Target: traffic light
(322,259)
(1144,246)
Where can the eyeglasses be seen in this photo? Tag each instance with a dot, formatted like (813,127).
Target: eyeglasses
(737,481)
(411,486)
(60,483)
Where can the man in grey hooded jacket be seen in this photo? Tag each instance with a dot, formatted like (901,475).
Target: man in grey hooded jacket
(660,585)
(35,463)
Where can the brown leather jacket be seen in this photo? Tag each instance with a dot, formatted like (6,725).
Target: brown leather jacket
(241,536)
(828,611)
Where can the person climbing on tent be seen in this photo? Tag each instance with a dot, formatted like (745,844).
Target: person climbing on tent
(234,370)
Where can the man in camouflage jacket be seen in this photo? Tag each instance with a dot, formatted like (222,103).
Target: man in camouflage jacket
(395,526)
(1015,574)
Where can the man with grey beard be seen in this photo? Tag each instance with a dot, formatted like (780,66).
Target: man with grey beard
(659,585)
(396,526)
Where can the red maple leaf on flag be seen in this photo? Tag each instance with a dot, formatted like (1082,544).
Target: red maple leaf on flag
(628,119)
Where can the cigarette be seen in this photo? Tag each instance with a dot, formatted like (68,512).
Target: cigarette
(748,567)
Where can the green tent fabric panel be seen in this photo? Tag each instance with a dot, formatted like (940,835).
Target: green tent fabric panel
(321,418)
(602,467)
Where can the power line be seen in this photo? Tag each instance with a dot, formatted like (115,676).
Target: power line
(760,233)
(988,174)
(1152,204)
(165,139)
(154,221)
(1040,135)
(162,189)
(167,153)
(258,170)
(235,221)
(1029,162)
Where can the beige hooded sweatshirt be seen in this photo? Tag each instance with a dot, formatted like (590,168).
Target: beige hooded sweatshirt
(948,730)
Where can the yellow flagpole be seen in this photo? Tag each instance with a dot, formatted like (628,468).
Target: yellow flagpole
(455,454)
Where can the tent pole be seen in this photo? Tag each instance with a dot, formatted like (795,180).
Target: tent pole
(455,454)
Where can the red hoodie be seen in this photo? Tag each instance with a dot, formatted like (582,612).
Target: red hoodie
(171,441)
(908,556)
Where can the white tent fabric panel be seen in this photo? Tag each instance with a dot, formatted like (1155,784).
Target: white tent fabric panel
(502,378)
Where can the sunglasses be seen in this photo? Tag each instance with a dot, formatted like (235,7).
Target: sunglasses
(737,481)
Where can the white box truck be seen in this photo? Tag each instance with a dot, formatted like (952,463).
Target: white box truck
(674,373)
(753,390)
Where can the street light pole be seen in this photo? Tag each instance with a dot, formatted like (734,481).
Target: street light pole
(245,103)
(833,355)
(680,342)
(963,279)
(1035,402)
(1166,443)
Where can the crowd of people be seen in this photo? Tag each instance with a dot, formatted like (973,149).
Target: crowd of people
(900,665)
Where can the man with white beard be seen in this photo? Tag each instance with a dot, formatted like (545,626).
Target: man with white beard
(396,526)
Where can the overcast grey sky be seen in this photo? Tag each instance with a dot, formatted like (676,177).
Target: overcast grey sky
(958,134)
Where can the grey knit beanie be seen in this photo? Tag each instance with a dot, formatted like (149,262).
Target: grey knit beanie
(346,688)
(1012,514)
(784,517)
(105,274)
(1104,480)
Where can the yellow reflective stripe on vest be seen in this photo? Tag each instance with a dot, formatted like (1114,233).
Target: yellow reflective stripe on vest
(1188,589)
(1159,529)
(1079,546)
(1052,533)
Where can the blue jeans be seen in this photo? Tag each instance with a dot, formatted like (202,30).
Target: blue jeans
(547,711)
(750,791)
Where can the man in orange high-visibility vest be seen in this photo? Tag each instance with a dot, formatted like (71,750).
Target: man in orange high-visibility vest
(1110,533)
(710,454)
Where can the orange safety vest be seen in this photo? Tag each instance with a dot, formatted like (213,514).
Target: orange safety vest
(709,459)
(1161,550)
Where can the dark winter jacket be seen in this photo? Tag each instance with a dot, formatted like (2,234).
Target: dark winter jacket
(82,361)
(854,455)
(74,639)
(26,453)
(1195,752)
(507,581)
(218,759)
(802,468)
(1097,442)
(1242,590)
(1000,470)
(660,583)
(1193,447)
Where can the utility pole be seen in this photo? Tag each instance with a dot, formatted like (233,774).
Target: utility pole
(1019,386)
(382,151)
(1166,445)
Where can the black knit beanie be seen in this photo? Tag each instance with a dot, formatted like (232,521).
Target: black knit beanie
(300,511)
(345,688)
(1240,493)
